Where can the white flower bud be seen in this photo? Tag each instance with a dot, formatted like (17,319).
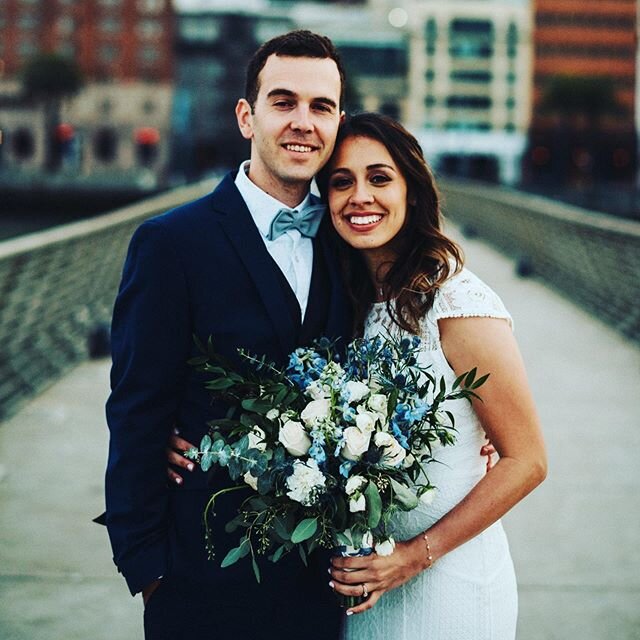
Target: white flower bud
(251,481)
(393,453)
(257,439)
(386,547)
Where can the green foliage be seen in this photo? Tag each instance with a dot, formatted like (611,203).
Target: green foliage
(51,76)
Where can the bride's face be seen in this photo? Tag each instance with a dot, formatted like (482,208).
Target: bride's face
(367,194)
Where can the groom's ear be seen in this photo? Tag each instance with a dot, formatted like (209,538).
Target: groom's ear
(343,115)
(244,116)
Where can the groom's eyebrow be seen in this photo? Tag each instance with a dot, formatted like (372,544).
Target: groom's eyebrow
(292,94)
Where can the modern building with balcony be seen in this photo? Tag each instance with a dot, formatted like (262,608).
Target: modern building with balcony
(469,82)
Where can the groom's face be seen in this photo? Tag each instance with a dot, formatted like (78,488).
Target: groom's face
(294,122)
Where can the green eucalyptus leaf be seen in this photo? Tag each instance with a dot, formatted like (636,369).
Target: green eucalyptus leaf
(207,460)
(205,444)
(280,528)
(305,529)
(278,553)
(256,569)
(405,496)
(374,504)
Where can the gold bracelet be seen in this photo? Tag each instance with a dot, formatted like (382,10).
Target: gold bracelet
(429,556)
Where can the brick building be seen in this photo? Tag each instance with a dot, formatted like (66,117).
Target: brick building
(587,47)
(109,39)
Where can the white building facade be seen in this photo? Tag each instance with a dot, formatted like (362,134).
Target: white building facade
(470,82)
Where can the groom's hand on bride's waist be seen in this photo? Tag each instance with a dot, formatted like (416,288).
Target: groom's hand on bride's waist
(178,463)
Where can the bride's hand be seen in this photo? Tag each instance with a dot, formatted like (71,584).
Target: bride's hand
(378,574)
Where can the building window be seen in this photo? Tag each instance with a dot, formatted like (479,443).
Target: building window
(430,74)
(108,53)
(429,101)
(105,145)
(199,29)
(431,35)
(511,102)
(149,29)
(65,25)
(150,6)
(589,20)
(66,49)
(512,40)
(471,38)
(23,144)
(374,60)
(391,109)
(28,21)
(110,25)
(148,107)
(471,75)
(110,3)
(469,102)
(511,77)
(148,54)
(27,48)
(585,50)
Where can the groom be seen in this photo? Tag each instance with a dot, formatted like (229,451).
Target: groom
(232,267)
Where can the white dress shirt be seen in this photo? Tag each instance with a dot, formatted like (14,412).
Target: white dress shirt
(292,252)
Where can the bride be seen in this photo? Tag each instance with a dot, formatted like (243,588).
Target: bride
(450,576)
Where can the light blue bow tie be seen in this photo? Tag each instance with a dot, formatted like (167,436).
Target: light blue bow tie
(306,221)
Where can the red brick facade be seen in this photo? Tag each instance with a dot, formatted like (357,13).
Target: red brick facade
(109,39)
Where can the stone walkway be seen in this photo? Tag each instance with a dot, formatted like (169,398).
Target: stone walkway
(575,541)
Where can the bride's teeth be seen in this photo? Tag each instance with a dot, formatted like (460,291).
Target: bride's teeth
(299,148)
(364,219)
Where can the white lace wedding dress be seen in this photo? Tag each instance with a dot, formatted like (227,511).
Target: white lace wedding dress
(470,593)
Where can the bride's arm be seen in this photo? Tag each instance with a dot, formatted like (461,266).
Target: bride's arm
(509,417)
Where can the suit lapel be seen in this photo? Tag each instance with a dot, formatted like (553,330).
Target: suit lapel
(339,314)
(238,225)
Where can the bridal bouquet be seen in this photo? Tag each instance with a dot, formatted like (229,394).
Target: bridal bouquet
(329,448)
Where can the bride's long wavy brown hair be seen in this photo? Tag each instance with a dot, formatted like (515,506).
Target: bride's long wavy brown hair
(424,256)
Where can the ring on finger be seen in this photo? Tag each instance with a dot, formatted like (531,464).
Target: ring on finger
(365,593)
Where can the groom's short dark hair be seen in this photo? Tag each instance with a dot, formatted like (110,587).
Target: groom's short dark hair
(297,44)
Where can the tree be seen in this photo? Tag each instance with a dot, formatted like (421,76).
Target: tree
(49,78)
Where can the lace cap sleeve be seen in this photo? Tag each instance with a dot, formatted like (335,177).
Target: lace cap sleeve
(465,296)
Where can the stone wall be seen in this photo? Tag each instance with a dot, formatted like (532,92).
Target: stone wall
(57,288)
(593,259)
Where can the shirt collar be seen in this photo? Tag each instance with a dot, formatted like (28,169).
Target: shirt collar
(262,207)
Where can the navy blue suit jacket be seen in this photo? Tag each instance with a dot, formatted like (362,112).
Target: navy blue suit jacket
(199,269)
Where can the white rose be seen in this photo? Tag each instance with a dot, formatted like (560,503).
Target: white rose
(393,453)
(356,390)
(353,484)
(317,391)
(357,504)
(386,547)
(366,420)
(428,496)
(272,414)
(257,439)
(378,403)
(306,482)
(315,411)
(356,442)
(294,438)
(251,481)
